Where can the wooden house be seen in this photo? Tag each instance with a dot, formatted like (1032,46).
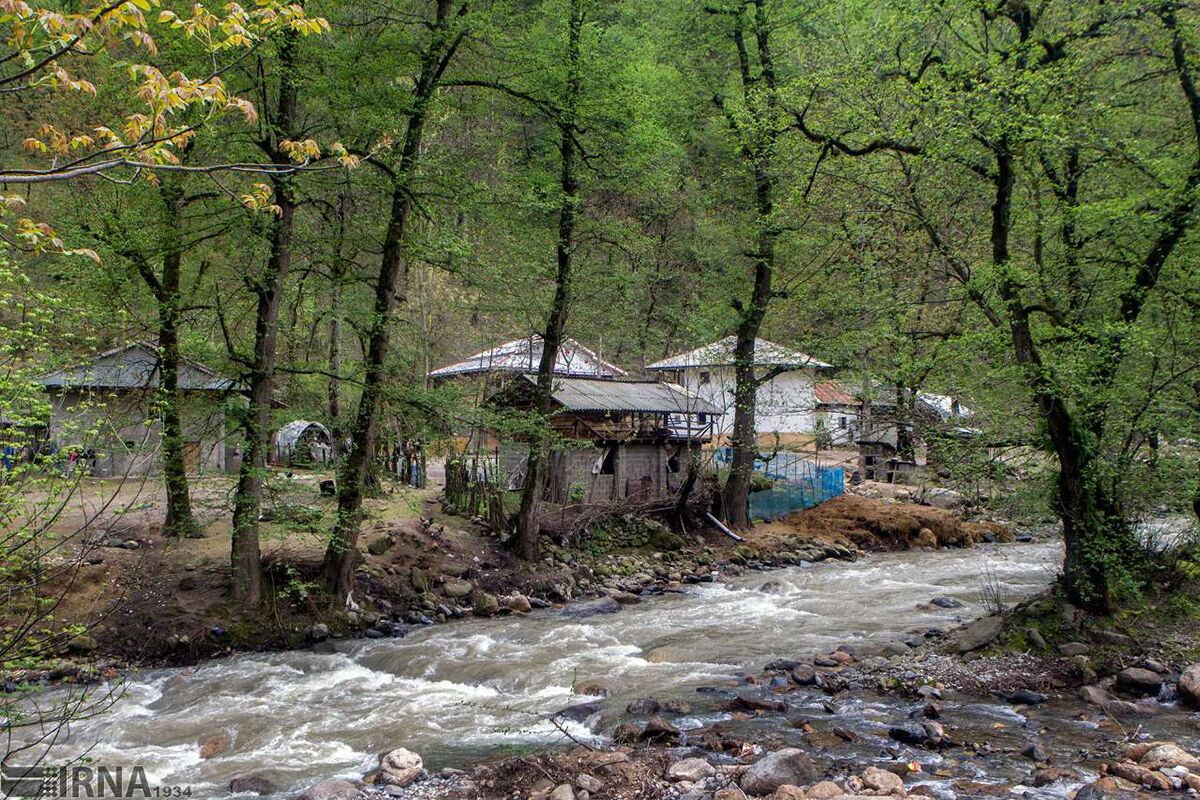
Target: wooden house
(625,439)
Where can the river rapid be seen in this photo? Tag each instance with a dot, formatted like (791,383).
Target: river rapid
(469,690)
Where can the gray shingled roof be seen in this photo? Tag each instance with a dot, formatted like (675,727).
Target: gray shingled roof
(133,366)
(590,394)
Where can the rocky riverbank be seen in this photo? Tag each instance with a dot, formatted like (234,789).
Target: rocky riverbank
(422,571)
(942,713)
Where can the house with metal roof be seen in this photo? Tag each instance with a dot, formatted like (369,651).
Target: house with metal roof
(105,411)
(785,411)
(521,356)
(623,438)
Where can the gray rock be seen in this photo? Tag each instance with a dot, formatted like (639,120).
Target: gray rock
(805,675)
(788,766)
(1139,681)
(1074,649)
(1024,697)
(690,769)
(380,545)
(945,498)
(251,784)
(913,733)
(589,783)
(979,633)
(947,602)
(1035,752)
(590,608)
(643,706)
(330,790)
(456,588)
(896,649)
(318,632)
(1035,638)
(782,665)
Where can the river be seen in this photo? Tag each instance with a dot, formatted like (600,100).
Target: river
(467,690)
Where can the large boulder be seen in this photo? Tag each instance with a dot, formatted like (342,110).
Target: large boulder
(400,767)
(590,608)
(788,766)
(330,790)
(485,605)
(1139,681)
(1169,754)
(1189,686)
(979,633)
(881,782)
(945,498)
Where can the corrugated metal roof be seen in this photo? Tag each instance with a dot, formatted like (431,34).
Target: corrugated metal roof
(525,355)
(588,394)
(134,366)
(720,354)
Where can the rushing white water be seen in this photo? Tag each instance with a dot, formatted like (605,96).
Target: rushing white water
(461,691)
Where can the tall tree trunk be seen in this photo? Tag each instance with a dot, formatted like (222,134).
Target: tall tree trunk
(341,556)
(179,519)
(759,153)
(245,556)
(536,473)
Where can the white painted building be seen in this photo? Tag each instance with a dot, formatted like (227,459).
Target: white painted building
(785,405)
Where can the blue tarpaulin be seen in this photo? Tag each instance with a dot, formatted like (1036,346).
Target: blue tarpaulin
(796,483)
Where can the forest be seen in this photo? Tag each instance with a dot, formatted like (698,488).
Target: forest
(310,207)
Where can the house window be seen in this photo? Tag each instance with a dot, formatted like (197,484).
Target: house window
(705,377)
(841,423)
(609,465)
(673,464)
(702,418)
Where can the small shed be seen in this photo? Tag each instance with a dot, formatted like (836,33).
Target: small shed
(625,438)
(302,444)
(107,408)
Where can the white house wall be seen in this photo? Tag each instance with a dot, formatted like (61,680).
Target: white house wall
(785,404)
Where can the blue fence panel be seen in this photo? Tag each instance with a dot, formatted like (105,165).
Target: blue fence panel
(797,483)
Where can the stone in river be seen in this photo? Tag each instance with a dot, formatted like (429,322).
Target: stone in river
(1139,681)
(752,702)
(1189,686)
(788,766)
(947,602)
(643,706)
(909,733)
(251,784)
(660,731)
(602,605)
(1169,754)
(214,746)
(805,675)
(1024,697)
